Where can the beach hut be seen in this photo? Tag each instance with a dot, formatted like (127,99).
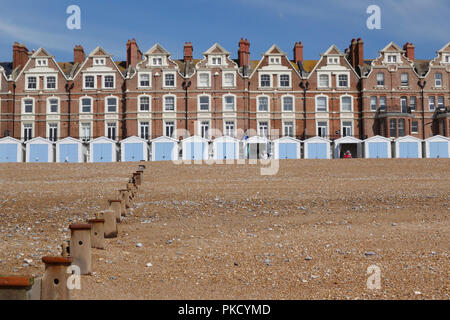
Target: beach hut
(11,150)
(377,147)
(408,147)
(39,150)
(437,147)
(103,149)
(317,148)
(195,148)
(69,150)
(226,147)
(258,147)
(164,149)
(344,144)
(286,148)
(134,149)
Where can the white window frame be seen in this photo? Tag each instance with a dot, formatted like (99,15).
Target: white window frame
(384,79)
(225,130)
(351,102)
(140,125)
(81,105)
(319,85)
(84,81)
(279,80)
(149,102)
(81,125)
(224,103)
(351,127)
(224,82)
(270,80)
(174,102)
(276,60)
(98,61)
(388,57)
(293,103)
(174,79)
(149,74)
(106,104)
(343,74)
(209,102)
(200,126)
(46,82)
(268,128)
(258,103)
(434,103)
(28,81)
(407,79)
(412,127)
(116,125)
(199,84)
(165,126)
(284,125)
(157,58)
(42,62)
(34,105)
(22,128)
(333,60)
(213,58)
(57,130)
(436,80)
(370,103)
(49,106)
(327,127)
(326,102)
(104,81)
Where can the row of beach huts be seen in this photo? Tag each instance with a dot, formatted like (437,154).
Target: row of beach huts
(102,149)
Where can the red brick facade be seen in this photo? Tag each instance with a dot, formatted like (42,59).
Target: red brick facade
(152,94)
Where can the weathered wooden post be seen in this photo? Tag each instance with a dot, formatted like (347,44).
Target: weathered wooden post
(20,288)
(97,233)
(54,281)
(110,224)
(80,247)
(116,206)
(124,195)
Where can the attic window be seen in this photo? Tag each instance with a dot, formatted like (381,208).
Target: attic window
(216,61)
(333,60)
(392,58)
(99,61)
(274,60)
(157,61)
(41,62)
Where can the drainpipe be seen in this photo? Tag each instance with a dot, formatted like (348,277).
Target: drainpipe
(305,86)
(422,84)
(68,90)
(361,109)
(186,85)
(14,110)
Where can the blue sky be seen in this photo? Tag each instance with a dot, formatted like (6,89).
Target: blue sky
(318,24)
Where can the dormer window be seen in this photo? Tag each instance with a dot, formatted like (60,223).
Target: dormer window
(217,61)
(99,61)
(157,61)
(446,58)
(333,60)
(274,60)
(392,58)
(41,62)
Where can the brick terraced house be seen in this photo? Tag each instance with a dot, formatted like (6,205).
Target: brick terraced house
(343,94)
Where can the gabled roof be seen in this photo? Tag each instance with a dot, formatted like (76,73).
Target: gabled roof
(447,46)
(274,50)
(347,139)
(133,139)
(291,139)
(157,49)
(37,140)
(333,50)
(195,138)
(69,139)
(408,138)
(216,49)
(377,138)
(99,51)
(392,45)
(438,138)
(38,52)
(317,139)
(164,139)
(10,140)
(100,139)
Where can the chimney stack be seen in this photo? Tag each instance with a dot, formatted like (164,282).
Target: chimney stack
(78,54)
(298,52)
(134,55)
(20,55)
(188,51)
(359,53)
(409,51)
(244,53)
(352,53)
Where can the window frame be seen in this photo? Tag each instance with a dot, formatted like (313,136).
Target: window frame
(338,84)
(174,102)
(327,127)
(224,74)
(140,103)
(225,124)
(289,80)
(22,133)
(285,124)
(140,125)
(165,125)
(258,103)
(113,82)
(319,81)
(82,124)
(326,103)
(436,80)
(116,131)
(267,122)
(199,97)
(46,82)
(33,105)
(165,74)
(107,104)
(283,104)
(84,82)
(199,75)
(28,82)
(431,99)
(224,103)
(404,83)
(261,81)
(341,98)
(57,131)
(149,74)
(376,103)
(383,79)
(81,105)
(49,105)
(346,126)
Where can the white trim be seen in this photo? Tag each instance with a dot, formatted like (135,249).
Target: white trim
(23,106)
(48,105)
(149,80)
(289,74)
(80,104)
(209,102)
(47,125)
(84,81)
(234,79)
(104,81)
(346,73)
(174,79)
(293,103)
(103,140)
(106,104)
(46,84)
(22,123)
(208,73)
(327,103)
(259,129)
(149,103)
(351,103)
(258,103)
(174,102)
(260,74)
(69,140)
(283,125)
(317,127)
(223,102)
(116,123)
(134,139)
(323,73)
(27,77)
(174,127)
(342,127)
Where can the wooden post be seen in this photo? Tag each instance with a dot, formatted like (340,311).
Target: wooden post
(54,281)
(97,233)
(80,247)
